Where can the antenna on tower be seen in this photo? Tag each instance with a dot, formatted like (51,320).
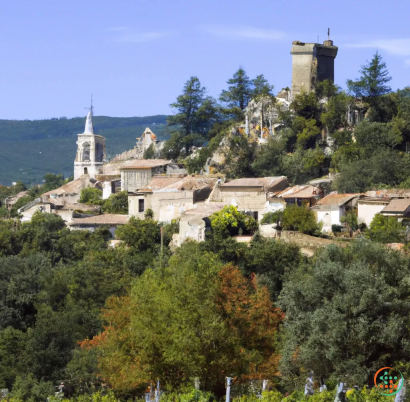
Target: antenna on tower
(328,33)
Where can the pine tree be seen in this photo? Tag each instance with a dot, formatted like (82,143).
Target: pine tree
(239,90)
(188,105)
(373,80)
(261,87)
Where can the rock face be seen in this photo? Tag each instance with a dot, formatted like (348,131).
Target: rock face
(147,139)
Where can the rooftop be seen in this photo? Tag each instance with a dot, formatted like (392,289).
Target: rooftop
(336,199)
(205,209)
(73,187)
(163,183)
(391,192)
(265,182)
(397,206)
(144,163)
(306,191)
(105,219)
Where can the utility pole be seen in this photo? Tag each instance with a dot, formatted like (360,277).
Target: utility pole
(228,388)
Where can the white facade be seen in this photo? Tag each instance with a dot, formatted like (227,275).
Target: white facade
(90,152)
(329,218)
(367,210)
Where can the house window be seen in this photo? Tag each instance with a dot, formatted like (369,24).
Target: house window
(140,205)
(85,170)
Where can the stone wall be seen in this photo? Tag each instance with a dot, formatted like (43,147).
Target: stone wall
(244,199)
(135,179)
(306,241)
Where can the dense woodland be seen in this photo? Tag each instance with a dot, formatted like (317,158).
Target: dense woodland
(115,320)
(109,322)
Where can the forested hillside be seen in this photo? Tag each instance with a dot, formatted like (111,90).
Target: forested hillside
(30,149)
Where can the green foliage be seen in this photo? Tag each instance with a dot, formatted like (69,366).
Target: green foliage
(386,229)
(116,203)
(149,214)
(149,153)
(229,222)
(187,394)
(350,220)
(377,135)
(239,90)
(239,159)
(271,261)
(300,219)
(373,80)
(347,313)
(378,170)
(304,165)
(91,195)
(141,234)
(195,111)
(272,217)
(27,388)
(261,87)
(209,299)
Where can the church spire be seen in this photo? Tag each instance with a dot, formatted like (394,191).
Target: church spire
(89,122)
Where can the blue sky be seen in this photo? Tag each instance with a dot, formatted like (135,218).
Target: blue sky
(134,56)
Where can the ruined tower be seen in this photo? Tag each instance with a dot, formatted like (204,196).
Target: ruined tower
(312,63)
(90,151)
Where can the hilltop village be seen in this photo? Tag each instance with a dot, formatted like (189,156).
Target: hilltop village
(259,253)
(166,189)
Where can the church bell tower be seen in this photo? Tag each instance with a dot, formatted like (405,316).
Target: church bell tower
(90,151)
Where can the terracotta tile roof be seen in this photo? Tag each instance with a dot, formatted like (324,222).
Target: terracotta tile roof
(391,192)
(397,205)
(265,182)
(306,191)
(383,200)
(192,183)
(336,199)
(78,206)
(14,198)
(159,183)
(105,219)
(144,163)
(73,187)
(205,208)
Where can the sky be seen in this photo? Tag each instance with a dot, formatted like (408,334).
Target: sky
(134,56)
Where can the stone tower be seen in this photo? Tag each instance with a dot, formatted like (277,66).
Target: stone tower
(90,151)
(312,63)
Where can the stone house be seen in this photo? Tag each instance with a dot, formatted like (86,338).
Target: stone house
(136,174)
(303,195)
(67,211)
(368,207)
(62,201)
(331,208)
(168,197)
(111,221)
(252,195)
(9,202)
(192,224)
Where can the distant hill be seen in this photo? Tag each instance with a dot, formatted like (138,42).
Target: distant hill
(30,149)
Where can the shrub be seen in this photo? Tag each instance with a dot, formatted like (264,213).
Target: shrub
(300,219)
